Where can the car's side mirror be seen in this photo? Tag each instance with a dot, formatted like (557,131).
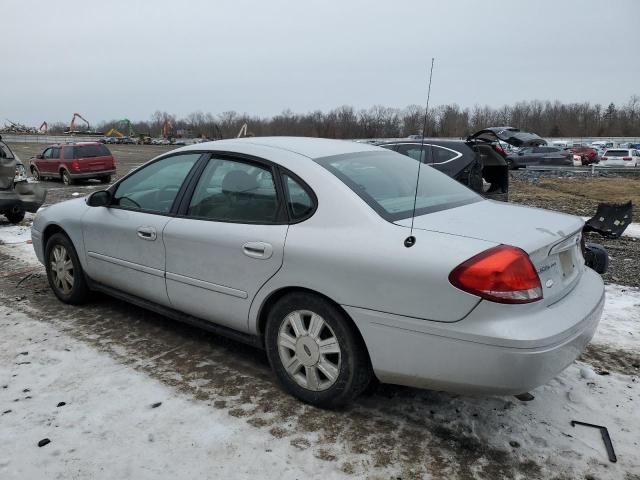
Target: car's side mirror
(39,156)
(101,198)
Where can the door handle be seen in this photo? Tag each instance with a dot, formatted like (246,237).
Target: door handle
(147,233)
(259,250)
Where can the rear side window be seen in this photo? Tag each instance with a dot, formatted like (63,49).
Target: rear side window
(234,191)
(428,153)
(68,152)
(616,153)
(299,201)
(55,152)
(88,151)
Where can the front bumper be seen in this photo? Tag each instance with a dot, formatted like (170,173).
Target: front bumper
(481,355)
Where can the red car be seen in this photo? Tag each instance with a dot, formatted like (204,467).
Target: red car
(588,155)
(74,161)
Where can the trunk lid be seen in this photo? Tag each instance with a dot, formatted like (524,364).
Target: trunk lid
(509,135)
(551,239)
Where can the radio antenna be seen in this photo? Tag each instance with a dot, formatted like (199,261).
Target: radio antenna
(410,241)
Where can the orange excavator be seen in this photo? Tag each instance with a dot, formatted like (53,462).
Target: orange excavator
(166,128)
(72,125)
(44,128)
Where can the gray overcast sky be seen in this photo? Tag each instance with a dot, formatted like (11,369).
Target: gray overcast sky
(115,59)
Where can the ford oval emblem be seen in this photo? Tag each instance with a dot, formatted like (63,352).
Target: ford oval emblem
(549,283)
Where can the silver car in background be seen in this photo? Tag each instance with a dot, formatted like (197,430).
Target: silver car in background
(297,245)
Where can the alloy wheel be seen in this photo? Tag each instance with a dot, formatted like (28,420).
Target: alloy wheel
(309,350)
(62,269)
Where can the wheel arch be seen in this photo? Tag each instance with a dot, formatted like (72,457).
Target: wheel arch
(276,295)
(51,230)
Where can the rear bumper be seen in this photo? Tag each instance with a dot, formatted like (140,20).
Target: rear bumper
(480,359)
(97,174)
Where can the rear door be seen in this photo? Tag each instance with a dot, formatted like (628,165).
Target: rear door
(227,241)
(123,242)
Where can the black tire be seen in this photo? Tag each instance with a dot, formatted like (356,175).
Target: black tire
(354,370)
(35,173)
(15,215)
(79,291)
(66,178)
(106,179)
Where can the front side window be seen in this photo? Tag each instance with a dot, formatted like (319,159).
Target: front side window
(234,191)
(154,187)
(387,183)
(47,153)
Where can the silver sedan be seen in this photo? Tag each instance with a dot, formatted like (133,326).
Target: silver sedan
(325,254)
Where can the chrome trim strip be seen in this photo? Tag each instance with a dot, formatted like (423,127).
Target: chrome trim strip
(124,263)
(206,285)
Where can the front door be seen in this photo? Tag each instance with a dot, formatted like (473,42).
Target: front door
(227,243)
(123,242)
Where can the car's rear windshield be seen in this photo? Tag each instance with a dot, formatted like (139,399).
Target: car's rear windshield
(616,153)
(386,181)
(87,151)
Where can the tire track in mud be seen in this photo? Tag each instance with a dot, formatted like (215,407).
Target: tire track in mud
(394,431)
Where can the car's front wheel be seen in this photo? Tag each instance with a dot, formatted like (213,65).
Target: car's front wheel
(15,214)
(315,350)
(64,270)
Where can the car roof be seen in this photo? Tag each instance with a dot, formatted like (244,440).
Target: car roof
(310,147)
(71,144)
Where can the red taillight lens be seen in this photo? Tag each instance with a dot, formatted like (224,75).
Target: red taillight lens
(626,158)
(502,274)
(500,150)
(75,165)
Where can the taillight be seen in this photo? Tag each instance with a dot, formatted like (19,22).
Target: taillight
(626,158)
(75,165)
(502,274)
(500,150)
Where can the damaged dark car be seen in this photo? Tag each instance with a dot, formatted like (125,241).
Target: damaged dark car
(17,196)
(479,162)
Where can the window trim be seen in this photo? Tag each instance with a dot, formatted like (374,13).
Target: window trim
(282,216)
(397,150)
(171,213)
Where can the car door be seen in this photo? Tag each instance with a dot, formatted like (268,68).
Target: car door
(45,164)
(123,241)
(227,240)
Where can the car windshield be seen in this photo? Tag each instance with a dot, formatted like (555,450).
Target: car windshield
(386,181)
(87,151)
(617,153)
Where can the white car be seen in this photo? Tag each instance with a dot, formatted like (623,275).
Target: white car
(620,157)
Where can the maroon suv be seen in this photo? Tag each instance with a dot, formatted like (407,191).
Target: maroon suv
(74,161)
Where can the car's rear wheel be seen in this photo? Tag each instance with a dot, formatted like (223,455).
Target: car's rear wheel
(64,270)
(15,214)
(66,178)
(315,350)
(35,173)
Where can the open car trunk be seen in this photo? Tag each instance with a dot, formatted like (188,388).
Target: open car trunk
(509,135)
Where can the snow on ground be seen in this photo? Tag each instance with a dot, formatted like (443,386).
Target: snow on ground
(109,428)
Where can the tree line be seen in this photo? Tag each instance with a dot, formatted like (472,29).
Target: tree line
(547,119)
